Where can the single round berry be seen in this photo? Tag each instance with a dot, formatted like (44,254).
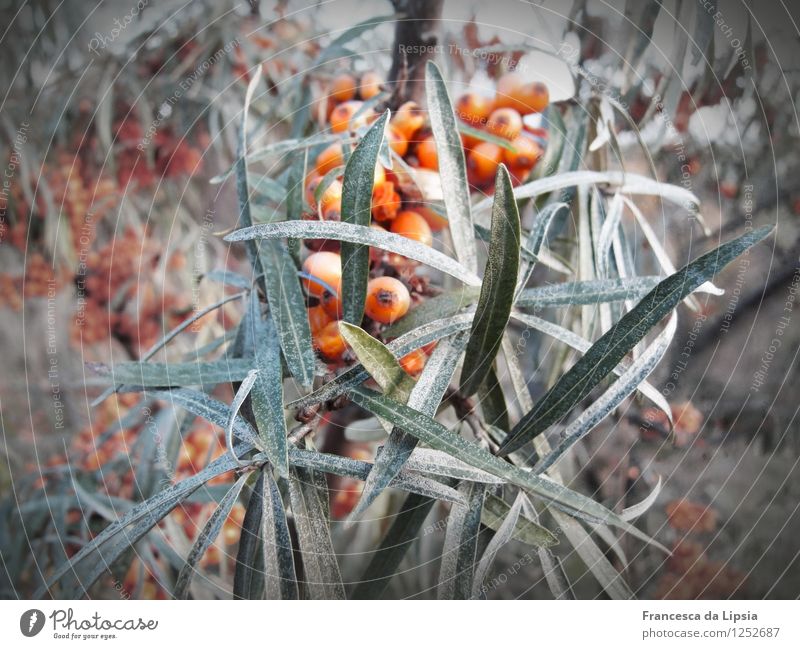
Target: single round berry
(412,225)
(342,88)
(483,161)
(318,318)
(371,84)
(342,115)
(427,154)
(387,300)
(408,119)
(330,158)
(474,109)
(505,123)
(329,342)
(526,153)
(326,267)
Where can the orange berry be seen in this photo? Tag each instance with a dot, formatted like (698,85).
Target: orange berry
(482,162)
(318,318)
(412,225)
(414,362)
(436,222)
(343,88)
(531,97)
(508,87)
(370,85)
(326,267)
(408,119)
(505,123)
(525,155)
(397,141)
(330,158)
(427,155)
(329,342)
(342,115)
(387,299)
(474,109)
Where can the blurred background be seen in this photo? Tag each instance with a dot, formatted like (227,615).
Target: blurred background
(116,117)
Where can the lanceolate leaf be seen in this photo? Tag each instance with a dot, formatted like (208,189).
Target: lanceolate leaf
(267,394)
(358,234)
(582,345)
(452,167)
(627,383)
(497,291)
(503,536)
(280,580)
(437,436)
(587,292)
(425,397)
(459,553)
(627,184)
(288,310)
(247,582)
(323,579)
(207,536)
(238,400)
(165,375)
(611,348)
(526,530)
(356,208)
(536,238)
(379,362)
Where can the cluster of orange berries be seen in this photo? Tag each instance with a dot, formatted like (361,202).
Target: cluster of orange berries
(394,207)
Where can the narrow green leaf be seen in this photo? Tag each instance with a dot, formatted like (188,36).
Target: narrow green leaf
(611,581)
(493,401)
(588,292)
(359,175)
(504,533)
(358,234)
(497,290)
(626,183)
(582,345)
(241,394)
(460,550)
(335,49)
(625,385)
(202,373)
(438,463)
(526,530)
(323,579)
(207,536)
(247,583)
(611,348)
(536,238)
(452,167)
(484,136)
(379,362)
(267,395)
(280,578)
(425,397)
(288,309)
